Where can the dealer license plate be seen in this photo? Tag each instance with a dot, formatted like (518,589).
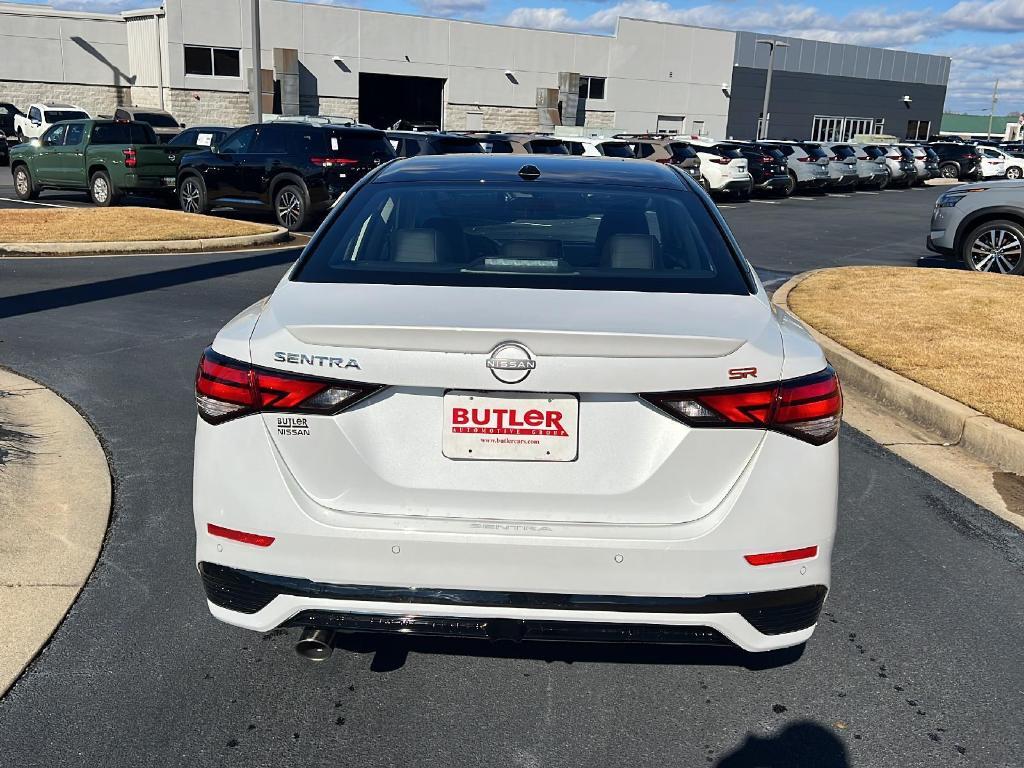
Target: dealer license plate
(510,426)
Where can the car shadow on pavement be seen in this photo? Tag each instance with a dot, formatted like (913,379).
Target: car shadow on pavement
(53,298)
(802,744)
(391,653)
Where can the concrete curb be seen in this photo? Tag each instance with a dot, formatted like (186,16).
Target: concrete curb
(981,436)
(279,235)
(55,495)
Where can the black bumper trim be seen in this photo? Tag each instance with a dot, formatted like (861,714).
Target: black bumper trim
(777,612)
(509,629)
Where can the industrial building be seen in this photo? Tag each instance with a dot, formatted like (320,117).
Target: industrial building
(192,57)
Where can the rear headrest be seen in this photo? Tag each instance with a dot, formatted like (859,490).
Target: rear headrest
(630,251)
(531,249)
(414,245)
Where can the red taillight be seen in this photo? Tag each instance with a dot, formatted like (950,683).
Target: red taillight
(862,157)
(130,160)
(809,408)
(227,388)
(720,160)
(771,558)
(895,157)
(330,162)
(246,538)
(766,160)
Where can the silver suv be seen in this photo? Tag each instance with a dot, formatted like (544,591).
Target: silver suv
(981,224)
(842,165)
(807,162)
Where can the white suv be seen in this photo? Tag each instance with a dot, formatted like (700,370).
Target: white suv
(523,397)
(598,148)
(39,117)
(723,167)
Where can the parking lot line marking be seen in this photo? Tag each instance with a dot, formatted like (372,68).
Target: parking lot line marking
(727,206)
(867,193)
(31,202)
(765,202)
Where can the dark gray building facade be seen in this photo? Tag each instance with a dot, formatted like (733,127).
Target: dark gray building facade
(832,91)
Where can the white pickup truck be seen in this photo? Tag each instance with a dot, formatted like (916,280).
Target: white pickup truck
(39,117)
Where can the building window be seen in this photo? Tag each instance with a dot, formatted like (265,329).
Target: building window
(699,129)
(829,128)
(211,62)
(591,87)
(919,130)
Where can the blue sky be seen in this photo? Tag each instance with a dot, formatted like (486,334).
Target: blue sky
(985,38)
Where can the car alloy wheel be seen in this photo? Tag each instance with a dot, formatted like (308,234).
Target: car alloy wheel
(1014,173)
(21,182)
(996,250)
(190,197)
(289,209)
(100,189)
(949,172)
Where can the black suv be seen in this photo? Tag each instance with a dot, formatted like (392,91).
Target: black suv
(768,167)
(412,143)
(957,161)
(294,169)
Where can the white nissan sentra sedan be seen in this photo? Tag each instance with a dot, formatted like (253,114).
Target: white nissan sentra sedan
(540,400)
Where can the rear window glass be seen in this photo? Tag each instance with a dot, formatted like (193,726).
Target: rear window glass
(843,152)
(683,152)
(506,234)
(156,120)
(874,152)
(814,150)
(453,145)
(358,145)
(547,147)
(56,115)
(615,149)
(122,133)
(497,146)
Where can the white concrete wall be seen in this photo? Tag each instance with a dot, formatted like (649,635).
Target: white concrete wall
(40,45)
(653,68)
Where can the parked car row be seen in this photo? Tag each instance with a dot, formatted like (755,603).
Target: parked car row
(298,167)
(39,118)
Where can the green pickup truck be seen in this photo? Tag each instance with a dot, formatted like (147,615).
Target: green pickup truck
(106,157)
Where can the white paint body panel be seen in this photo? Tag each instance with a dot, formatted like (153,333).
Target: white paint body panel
(648,507)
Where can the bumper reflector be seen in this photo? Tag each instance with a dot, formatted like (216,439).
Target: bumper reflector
(246,538)
(771,558)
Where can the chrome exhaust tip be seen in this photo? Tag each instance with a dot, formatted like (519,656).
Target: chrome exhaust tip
(315,644)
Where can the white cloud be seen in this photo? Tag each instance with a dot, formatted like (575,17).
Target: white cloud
(988,15)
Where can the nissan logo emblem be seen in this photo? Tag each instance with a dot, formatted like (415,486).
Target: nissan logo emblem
(511,362)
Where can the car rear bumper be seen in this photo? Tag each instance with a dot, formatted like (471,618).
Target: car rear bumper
(674,564)
(754,621)
(815,183)
(773,183)
(845,180)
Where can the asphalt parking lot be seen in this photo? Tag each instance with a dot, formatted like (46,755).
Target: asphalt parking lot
(917,661)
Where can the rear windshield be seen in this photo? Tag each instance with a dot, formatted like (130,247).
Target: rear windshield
(547,147)
(156,120)
(814,150)
(506,234)
(931,153)
(122,133)
(683,152)
(843,152)
(727,150)
(874,152)
(615,149)
(56,115)
(358,145)
(497,146)
(456,145)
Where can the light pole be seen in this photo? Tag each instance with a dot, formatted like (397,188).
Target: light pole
(256,86)
(992,111)
(772,45)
